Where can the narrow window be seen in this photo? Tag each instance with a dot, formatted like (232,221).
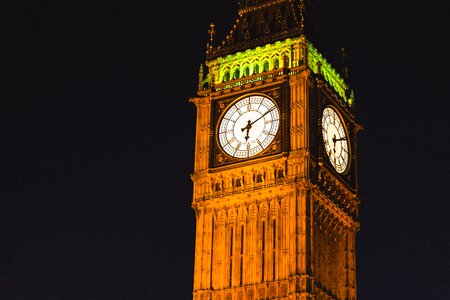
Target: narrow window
(212,253)
(231,256)
(263,250)
(242,256)
(236,74)
(266,66)
(226,76)
(256,69)
(246,71)
(276,63)
(238,182)
(274,247)
(259,178)
(280,173)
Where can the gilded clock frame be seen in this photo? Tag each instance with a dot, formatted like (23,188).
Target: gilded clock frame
(349,144)
(224,112)
(276,94)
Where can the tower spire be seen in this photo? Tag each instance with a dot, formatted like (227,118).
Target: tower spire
(261,22)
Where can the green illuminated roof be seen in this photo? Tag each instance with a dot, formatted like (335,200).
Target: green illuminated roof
(331,76)
(255,64)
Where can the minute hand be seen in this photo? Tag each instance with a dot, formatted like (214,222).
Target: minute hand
(262,116)
(340,139)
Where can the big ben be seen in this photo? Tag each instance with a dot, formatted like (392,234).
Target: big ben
(275,175)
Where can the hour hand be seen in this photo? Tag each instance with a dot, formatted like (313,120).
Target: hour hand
(247,127)
(246,136)
(339,139)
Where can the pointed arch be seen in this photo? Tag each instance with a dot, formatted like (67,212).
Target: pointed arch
(226,75)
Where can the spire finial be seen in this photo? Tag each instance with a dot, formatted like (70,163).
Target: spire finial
(212,32)
(301,7)
(344,63)
(200,77)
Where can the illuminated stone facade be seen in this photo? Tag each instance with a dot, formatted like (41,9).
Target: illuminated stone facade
(280,225)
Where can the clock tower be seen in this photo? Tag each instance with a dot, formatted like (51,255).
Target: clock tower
(275,174)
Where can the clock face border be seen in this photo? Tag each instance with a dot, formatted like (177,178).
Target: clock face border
(347,168)
(279,94)
(263,148)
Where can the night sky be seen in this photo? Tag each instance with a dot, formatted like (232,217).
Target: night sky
(97,140)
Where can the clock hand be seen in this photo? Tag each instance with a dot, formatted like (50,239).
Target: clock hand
(334,143)
(339,139)
(262,115)
(249,125)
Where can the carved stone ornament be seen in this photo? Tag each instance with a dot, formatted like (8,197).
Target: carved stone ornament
(222,158)
(275,94)
(263,209)
(231,215)
(284,207)
(242,215)
(262,292)
(274,208)
(253,213)
(221,218)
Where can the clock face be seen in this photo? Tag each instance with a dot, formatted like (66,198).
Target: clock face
(335,139)
(248,126)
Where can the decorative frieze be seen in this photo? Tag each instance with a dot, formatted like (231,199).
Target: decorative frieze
(338,193)
(239,180)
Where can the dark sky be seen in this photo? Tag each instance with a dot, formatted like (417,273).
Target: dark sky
(97,139)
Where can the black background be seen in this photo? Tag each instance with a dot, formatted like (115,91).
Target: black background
(97,139)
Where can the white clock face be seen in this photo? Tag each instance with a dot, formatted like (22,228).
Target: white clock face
(249,126)
(335,139)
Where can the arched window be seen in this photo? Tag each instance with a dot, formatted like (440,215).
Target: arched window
(256,68)
(246,71)
(226,76)
(236,73)
(266,66)
(276,63)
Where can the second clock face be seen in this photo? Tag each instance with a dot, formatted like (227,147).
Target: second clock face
(248,126)
(335,139)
